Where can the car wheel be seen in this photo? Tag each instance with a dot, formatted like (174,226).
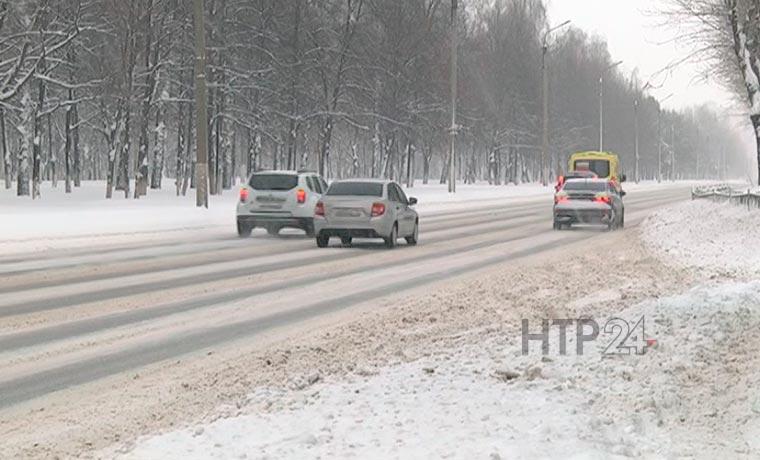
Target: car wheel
(323,241)
(244,231)
(309,228)
(346,240)
(557,225)
(622,220)
(415,236)
(272,230)
(612,224)
(390,242)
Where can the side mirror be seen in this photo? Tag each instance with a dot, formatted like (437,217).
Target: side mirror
(623,178)
(622,194)
(412,201)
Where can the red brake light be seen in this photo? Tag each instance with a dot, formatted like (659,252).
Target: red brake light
(243,195)
(561,199)
(301,196)
(603,199)
(319,210)
(378,209)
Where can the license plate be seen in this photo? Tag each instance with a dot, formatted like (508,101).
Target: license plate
(348,213)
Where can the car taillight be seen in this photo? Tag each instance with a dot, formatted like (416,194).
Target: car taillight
(301,196)
(243,195)
(378,209)
(602,199)
(561,199)
(319,210)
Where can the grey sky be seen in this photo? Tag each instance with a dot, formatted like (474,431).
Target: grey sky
(635,35)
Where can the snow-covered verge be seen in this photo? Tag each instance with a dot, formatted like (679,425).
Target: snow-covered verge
(84,217)
(444,376)
(687,398)
(718,237)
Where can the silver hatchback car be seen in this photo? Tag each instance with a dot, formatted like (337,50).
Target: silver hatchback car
(366,208)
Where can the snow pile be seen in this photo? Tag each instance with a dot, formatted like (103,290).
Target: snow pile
(683,398)
(720,237)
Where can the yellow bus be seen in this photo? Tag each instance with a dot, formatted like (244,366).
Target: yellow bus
(605,165)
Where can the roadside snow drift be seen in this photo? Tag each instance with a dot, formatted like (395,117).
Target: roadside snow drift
(485,399)
(719,237)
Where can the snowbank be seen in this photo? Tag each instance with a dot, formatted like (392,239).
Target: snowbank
(58,220)
(466,404)
(85,217)
(720,237)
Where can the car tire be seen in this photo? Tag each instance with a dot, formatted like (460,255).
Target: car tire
(415,236)
(273,230)
(346,240)
(612,224)
(557,225)
(309,228)
(390,242)
(622,220)
(322,241)
(244,231)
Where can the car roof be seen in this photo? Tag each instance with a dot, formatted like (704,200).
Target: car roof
(589,180)
(286,172)
(369,181)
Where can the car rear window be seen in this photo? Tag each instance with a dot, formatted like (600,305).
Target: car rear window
(585,186)
(273,181)
(355,189)
(600,167)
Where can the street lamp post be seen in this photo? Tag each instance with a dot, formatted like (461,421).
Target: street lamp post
(659,137)
(453,82)
(636,140)
(201,164)
(601,103)
(545,92)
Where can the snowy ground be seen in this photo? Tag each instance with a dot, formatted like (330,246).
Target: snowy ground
(454,383)
(461,404)
(85,217)
(718,237)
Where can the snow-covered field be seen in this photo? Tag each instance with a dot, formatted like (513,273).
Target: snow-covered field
(719,237)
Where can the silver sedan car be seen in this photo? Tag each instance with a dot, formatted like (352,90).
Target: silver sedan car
(366,208)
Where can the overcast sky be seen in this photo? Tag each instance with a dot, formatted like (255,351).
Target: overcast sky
(635,35)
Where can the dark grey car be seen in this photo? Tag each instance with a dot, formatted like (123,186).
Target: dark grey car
(589,201)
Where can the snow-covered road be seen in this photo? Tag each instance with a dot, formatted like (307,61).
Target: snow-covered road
(126,332)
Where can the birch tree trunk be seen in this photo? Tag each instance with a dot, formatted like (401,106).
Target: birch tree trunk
(26,131)
(7,164)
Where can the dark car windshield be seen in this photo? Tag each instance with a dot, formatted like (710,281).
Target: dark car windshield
(585,186)
(355,189)
(273,181)
(600,167)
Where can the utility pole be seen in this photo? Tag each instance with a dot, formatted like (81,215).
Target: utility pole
(201,138)
(601,103)
(673,153)
(659,144)
(659,137)
(545,92)
(636,139)
(453,81)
